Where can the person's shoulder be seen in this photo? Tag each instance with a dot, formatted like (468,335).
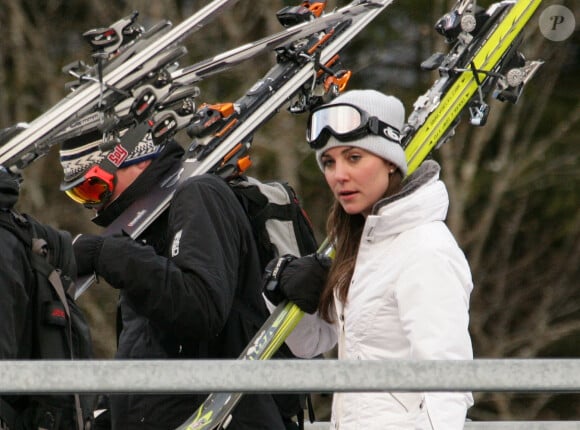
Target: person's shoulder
(426,240)
(203,181)
(207,188)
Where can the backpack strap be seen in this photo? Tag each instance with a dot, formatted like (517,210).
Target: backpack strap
(39,260)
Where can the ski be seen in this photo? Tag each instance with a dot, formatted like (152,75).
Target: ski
(481,60)
(126,56)
(221,145)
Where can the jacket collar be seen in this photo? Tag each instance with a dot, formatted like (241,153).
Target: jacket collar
(426,172)
(422,199)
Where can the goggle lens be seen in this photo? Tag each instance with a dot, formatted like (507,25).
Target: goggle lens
(97,186)
(336,119)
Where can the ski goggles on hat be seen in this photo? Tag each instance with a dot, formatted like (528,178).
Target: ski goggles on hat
(93,189)
(345,122)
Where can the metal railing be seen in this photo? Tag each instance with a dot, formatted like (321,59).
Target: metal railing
(202,376)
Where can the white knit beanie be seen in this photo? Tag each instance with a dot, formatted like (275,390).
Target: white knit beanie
(388,109)
(79,154)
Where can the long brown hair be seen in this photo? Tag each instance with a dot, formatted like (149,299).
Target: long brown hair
(344,232)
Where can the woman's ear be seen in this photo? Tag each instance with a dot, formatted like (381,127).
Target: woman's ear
(391,167)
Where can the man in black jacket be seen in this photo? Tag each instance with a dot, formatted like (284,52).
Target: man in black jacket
(189,287)
(33,319)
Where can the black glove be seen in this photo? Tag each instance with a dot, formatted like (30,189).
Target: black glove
(300,280)
(87,248)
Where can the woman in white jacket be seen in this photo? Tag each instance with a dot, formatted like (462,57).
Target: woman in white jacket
(399,285)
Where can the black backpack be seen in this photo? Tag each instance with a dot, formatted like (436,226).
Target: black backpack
(279,222)
(280,226)
(59,328)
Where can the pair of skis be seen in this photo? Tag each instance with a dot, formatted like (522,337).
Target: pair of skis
(167,103)
(483,59)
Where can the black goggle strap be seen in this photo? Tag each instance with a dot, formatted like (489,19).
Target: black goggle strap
(382,129)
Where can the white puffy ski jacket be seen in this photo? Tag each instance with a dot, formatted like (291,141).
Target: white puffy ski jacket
(408,300)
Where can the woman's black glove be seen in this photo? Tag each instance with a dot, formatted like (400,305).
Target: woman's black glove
(87,248)
(300,280)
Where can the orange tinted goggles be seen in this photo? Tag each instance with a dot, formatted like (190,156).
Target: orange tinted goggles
(94,188)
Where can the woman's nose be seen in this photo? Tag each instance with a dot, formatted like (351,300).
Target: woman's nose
(340,171)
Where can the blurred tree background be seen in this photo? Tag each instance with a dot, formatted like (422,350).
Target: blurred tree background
(513,184)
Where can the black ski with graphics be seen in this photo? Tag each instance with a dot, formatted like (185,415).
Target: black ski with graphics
(483,59)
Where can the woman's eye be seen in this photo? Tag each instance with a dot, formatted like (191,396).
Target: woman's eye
(327,163)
